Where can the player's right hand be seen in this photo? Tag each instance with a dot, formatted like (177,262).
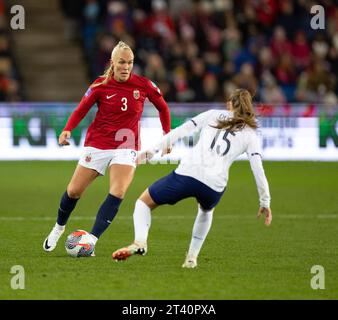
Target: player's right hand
(63,138)
(144,156)
(166,150)
(267,213)
(166,147)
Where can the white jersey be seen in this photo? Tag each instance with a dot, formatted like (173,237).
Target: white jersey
(210,159)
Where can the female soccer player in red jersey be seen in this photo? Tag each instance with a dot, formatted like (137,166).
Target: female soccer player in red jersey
(111,141)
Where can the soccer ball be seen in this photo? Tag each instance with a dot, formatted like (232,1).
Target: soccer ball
(79,244)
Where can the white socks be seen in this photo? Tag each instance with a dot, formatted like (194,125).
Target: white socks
(142,221)
(61,228)
(58,227)
(94,238)
(200,230)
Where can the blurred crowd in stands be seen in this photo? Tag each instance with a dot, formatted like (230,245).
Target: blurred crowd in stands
(10,84)
(199,51)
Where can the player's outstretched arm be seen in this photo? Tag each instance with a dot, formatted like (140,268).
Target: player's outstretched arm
(267,213)
(63,138)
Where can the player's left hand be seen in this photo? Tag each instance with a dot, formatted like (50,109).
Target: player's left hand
(267,213)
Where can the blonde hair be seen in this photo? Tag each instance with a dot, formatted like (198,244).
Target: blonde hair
(108,73)
(243,112)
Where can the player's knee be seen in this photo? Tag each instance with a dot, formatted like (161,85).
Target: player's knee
(148,200)
(118,192)
(205,210)
(74,192)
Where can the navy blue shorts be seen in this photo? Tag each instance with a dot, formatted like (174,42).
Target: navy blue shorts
(175,187)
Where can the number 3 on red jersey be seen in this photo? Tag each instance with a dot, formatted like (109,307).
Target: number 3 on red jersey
(125,106)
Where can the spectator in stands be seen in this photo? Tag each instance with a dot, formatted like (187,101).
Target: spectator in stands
(232,39)
(246,78)
(301,51)
(286,17)
(285,70)
(315,82)
(155,68)
(160,23)
(211,89)
(333,57)
(197,71)
(270,91)
(279,43)
(10,83)
(266,62)
(266,12)
(119,20)
(320,46)
(181,86)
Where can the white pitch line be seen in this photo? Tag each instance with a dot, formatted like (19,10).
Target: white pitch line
(177,217)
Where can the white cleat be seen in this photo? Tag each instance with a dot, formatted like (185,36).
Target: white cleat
(190,262)
(51,241)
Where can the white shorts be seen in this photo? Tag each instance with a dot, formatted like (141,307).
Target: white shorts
(100,160)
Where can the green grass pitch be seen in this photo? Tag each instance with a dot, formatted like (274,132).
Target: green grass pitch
(241,258)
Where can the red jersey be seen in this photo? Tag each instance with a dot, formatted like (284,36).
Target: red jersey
(120,106)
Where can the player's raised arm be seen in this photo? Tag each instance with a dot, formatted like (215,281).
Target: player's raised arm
(184,130)
(255,158)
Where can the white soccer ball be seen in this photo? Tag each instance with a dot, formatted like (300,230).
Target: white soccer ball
(79,244)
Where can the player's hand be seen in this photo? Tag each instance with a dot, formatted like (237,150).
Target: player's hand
(267,213)
(63,138)
(167,147)
(144,156)
(166,150)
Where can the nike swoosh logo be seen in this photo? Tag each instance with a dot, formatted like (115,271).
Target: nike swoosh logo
(108,97)
(46,244)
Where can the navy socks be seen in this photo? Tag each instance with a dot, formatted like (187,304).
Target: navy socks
(104,217)
(106,214)
(67,205)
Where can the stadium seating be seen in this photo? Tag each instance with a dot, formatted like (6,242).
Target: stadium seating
(218,37)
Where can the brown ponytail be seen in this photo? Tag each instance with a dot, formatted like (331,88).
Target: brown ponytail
(243,112)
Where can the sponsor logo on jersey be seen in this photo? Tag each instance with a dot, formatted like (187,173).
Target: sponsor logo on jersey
(136,94)
(113,95)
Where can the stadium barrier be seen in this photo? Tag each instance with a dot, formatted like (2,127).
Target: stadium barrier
(29,131)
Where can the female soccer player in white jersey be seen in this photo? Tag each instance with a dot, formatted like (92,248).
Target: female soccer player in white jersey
(203,172)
